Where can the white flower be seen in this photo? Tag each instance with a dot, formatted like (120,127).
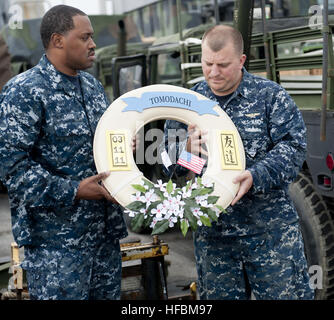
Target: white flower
(144,184)
(168,203)
(216,210)
(205,204)
(184,193)
(130,213)
(137,197)
(197,212)
(158,211)
(161,186)
(153,223)
(199,222)
(208,185)
(173,211)
(179,212)
(201,199)
(194,186)
(177,201)
(144,211)
(165,205)
(172,220)
(150,197)
(166,194)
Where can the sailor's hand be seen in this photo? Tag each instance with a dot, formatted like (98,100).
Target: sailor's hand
(196,139)
(92,188)
(246,181)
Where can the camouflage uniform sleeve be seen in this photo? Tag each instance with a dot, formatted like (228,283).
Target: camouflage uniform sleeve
(288,133)
(27,180)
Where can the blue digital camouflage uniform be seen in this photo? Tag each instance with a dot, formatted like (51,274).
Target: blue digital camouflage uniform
(46,142)
(259,236)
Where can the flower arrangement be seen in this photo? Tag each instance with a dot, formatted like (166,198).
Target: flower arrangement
(162,205)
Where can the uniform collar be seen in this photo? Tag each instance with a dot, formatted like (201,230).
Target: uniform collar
(59,81)
(246,87)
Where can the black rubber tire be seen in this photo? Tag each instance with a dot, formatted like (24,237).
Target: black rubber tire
(318,230)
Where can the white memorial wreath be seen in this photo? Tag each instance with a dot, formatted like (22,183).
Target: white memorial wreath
(126,183)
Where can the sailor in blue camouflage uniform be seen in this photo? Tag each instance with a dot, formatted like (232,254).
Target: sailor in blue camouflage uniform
(61,213)
(257,245)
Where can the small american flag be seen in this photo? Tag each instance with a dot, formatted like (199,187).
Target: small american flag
(191,162)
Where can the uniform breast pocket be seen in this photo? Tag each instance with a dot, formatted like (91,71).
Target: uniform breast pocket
(253,146)
(72,142)
(256,139)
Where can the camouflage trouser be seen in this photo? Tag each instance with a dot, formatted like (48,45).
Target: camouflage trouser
(74,275)
(272,266)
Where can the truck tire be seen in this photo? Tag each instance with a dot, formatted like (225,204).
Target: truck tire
(318,232)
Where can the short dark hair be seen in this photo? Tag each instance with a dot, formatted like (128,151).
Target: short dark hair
(218,36)
(59,19)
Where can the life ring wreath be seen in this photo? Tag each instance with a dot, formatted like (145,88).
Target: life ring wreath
(161,205)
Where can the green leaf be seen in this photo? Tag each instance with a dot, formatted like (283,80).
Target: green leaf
(139,188)
(220,208)
(211,214)
(195,193)
(205,220)
(212,199)
(137,222)
(160,194)
(190,203)
(204,191)
(188,185)
(169,186)
(152,206)
(148,183)
(160,227)
(147,222)
(191,218)
(199,181)
(136,205)
(184,227)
